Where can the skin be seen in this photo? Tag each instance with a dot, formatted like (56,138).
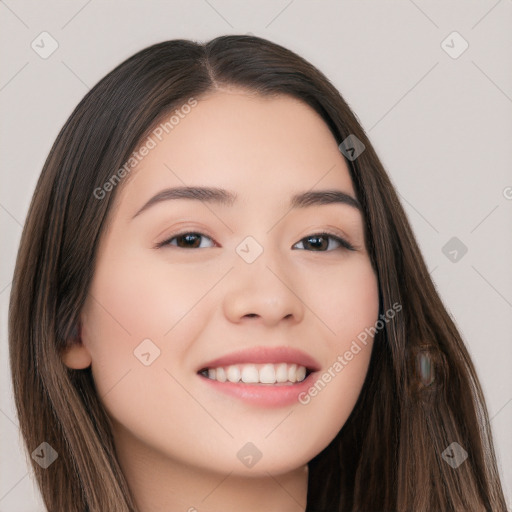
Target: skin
(177,439)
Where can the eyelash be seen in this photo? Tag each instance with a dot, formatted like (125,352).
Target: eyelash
(343,243)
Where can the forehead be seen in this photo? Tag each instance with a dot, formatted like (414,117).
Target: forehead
(262,148)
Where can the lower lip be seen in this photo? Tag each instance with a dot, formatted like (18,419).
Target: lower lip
(266,395)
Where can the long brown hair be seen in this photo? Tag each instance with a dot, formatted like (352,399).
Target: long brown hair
(388,455)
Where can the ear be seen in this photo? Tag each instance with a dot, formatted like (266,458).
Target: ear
(75,355)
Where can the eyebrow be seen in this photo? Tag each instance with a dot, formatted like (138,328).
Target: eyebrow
(225,198)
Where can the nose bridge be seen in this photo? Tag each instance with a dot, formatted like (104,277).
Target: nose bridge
(260,285)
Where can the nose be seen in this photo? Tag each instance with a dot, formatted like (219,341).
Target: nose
(262,291)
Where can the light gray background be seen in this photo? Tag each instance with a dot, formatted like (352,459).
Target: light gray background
(441,125)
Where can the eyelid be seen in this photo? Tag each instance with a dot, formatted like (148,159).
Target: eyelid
(202,232)
(333,231)
(340,237)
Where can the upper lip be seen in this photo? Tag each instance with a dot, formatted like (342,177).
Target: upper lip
(260,355)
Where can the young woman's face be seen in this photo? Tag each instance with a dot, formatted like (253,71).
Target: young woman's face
(253,276)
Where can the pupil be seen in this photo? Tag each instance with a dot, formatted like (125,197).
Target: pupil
(316,241)
(188,238)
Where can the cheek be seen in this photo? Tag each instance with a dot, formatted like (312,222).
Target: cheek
(139,306)
(134,297)
(346,300)
(129,304)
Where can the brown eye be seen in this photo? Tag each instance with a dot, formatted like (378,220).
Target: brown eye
(188,240)
(320,242)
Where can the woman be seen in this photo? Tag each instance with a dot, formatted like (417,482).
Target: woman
(219,304)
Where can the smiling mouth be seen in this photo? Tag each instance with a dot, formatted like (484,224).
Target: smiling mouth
(283,374)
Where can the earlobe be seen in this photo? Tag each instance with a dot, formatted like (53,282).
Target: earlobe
(76,356)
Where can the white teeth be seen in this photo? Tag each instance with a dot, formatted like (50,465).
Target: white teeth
(250,374)
(259,374)
(301,373)
(282,372)
(267,374)
(221,375)
(292,373)
(233,374)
